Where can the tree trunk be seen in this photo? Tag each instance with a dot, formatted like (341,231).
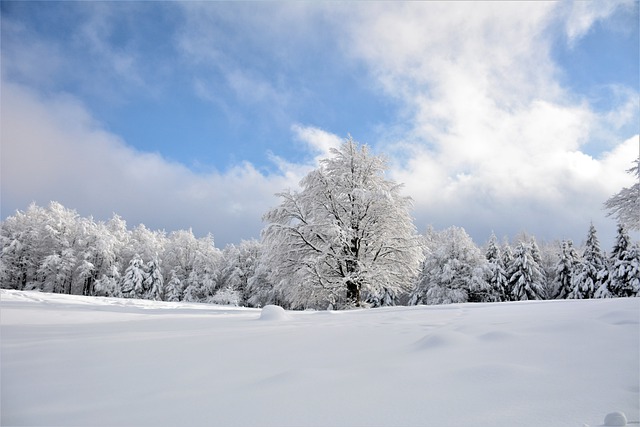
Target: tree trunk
(353,293)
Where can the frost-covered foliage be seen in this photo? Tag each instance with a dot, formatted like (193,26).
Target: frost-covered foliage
(345,236)
(453,271)
(174,290)
(624,275)
(238,267)
(153,281)
(624,206)
(565,269)
(363,244)
(524,274)
(133,279)
(496,275)
(588,274)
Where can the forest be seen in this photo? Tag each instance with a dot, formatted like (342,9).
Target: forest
(345,239)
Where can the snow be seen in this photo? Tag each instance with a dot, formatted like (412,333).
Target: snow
(71,360)
(615,419)
(273,312)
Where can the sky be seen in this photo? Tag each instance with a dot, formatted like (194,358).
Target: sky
(497,117)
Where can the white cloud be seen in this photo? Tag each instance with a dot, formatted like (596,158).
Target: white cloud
(584,14)
(495,142)
(52,149)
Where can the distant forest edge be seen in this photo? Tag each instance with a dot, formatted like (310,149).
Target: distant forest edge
(345,239)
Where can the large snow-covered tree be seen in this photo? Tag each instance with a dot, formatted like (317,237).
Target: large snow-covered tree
(624,206)
(347,233)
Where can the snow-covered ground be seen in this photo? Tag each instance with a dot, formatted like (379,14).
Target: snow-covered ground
(70,360)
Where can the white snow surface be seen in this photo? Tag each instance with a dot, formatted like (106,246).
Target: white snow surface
(81,361)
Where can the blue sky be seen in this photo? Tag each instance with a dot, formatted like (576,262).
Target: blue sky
(497,116)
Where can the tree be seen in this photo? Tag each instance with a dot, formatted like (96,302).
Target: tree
(174,288)
(624,206)
(565,269)
(453,270)
(624,276)
(132,281)
(348,232)
(153,281)
(587,278)
(524,275)
(496,275)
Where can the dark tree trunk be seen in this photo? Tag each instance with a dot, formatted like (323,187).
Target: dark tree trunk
(353,293)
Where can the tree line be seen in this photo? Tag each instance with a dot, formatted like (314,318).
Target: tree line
(345,239)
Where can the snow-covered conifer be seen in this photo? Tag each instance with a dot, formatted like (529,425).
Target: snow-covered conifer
(153,281)
(496,275)
(524,274)
(565,269)
(588,278)
(174,290)
(132,281)
(623,275)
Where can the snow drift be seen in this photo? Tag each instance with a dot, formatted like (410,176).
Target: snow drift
(70,360)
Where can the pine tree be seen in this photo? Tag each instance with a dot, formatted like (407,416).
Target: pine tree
(153,281)
(132,281)
(587,279)
(565,269)
(174,289)
(524,275)
(496,274)
(621,276)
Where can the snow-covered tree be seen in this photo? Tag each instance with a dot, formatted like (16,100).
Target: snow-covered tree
(623,275)
(133,279)
(108,285)
(153,281)
(453,270)
(496,276)
(524,275)
(626,273)
(624,206)
(587,277)
(174,290)
(565,269)
(238,266)
(347,233)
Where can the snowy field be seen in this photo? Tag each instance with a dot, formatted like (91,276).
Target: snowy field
(70,360)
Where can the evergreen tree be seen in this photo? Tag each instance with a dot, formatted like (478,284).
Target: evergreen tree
(496,274)
(587,279)
(132,281)
(524,275)
(174,289)
(153,281)
(565,269)
(622,265)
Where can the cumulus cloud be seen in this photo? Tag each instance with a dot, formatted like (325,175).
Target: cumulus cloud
(53,149)
(487,139)
(494,141)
